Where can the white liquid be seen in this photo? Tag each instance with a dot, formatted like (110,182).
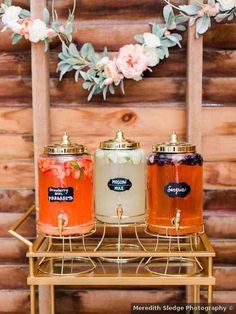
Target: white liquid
(127,165)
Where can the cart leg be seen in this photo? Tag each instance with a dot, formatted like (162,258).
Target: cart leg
(32,299)
(209,294)
(52,299)
(196,294)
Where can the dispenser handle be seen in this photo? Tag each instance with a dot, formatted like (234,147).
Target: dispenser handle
(13,230)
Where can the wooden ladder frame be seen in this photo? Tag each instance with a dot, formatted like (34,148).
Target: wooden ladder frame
(41,107)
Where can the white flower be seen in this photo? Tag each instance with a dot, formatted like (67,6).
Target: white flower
(151,56)
(101,63)
(38,31)
(11,14)
(15,26)
(151,40)
(227,5)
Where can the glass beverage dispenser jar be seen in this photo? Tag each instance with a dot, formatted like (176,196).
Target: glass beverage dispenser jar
(175,191)
(65,189)
(120,181)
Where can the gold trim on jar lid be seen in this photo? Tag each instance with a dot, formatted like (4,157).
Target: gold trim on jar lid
(65,147)
(174,146)
(119,142)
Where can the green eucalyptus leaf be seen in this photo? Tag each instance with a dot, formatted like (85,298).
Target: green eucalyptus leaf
(111,89)
(8,2)
(191,9)
(84,75)
(104,92)
(64,69)
(169,17)
(16,38)
(46,15)
(77,73)
(92,92)
(56,26)
(139,38)
(73,50)
(202,25)
(181,28)
(24,14)
(87,50)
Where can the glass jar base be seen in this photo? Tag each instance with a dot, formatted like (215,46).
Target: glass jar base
(171,231)
(54,231)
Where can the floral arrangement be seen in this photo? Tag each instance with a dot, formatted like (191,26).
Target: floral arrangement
(101,73)
(19,22)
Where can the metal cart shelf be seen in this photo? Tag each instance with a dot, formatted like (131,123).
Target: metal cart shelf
(97,260)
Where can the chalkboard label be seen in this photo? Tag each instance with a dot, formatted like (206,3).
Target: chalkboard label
(60,194)
(119,184)
(173,189)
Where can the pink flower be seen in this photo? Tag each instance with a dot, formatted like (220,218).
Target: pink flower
(51,33)
(25,24)
(131,61)
(211,10)
(112,73)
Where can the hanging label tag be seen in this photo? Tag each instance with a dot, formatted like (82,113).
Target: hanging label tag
(173,189)
(119,184)
(60,194)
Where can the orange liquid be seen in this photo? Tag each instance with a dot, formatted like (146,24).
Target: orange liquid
(80,211)
(162,208)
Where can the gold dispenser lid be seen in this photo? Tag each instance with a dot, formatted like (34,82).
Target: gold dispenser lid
(119,142)
(65,147)
(174,146)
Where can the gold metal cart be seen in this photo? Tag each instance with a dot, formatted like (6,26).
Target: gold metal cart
(83,261)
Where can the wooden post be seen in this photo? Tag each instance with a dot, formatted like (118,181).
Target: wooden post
(194,100)
(194,87)
(41,101)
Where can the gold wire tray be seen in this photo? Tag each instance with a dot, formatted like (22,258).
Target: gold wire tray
(126,256)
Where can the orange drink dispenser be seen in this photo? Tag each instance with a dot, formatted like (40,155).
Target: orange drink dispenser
(175,189)
(65,189)
(120,182)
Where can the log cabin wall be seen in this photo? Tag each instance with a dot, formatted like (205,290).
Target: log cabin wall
(148,112)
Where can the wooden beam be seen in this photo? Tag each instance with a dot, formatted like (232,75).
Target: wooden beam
(41,101)
(194,99)
(194,87)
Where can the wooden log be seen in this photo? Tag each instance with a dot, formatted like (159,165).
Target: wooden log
(225,249)
(13,277)
(17,146)
(12,251)
(7,220)
(216,92)
(216,63)
(223,200)
(115,31)
(14,301)
(15,201)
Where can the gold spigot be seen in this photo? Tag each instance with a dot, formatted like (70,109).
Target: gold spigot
(62,222)
(176,220)
(119,211)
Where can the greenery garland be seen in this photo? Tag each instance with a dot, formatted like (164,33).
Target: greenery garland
(101,73)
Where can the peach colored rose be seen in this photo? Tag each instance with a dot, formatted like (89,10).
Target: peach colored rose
(131,61)
(112,73)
